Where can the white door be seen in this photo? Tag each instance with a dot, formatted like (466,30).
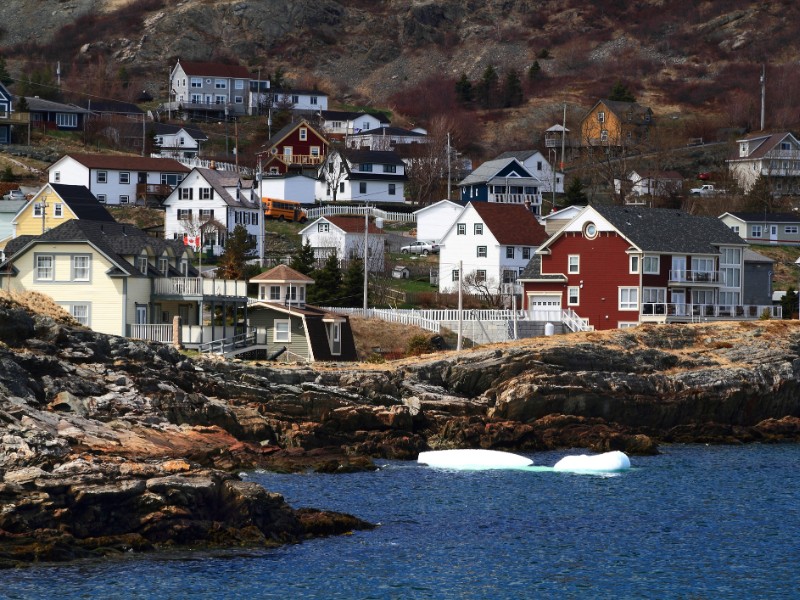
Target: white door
(773,234)
(679,300)
(678,272)
(545,307)
(141,315)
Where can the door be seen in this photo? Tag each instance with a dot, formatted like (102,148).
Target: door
(679,300)
(773,234)
(545,307)
(141,314)
(678,272)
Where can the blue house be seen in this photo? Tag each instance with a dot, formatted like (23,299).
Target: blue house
(6,109)
(504,181)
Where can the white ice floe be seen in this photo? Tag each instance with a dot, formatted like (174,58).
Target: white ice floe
(473,459)
(608,462)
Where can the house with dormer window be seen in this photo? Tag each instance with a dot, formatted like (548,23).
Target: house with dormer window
(773,156)
(289,325)
(504,181)
(207,206)
(618,266)
(488,242)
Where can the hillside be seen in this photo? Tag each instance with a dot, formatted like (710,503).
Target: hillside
(699,61)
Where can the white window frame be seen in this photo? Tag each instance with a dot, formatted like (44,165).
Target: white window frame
(275,293)
(66,119)
(124,177)
(196,82)
(101,176)
(81,313)
(124,199)
(510,252)
(81,272)
(45,267)
(323,227)
(163,265)
(456,276)
(791,229)
(574,264)
(633,264)
(461,229)
(142,264)
(38,210)
(573,295)
(480,275)
(279,334)
(651,265)
(756,231)
(478,229)
(628,298)
(220,84)
(482,252)
(303,133)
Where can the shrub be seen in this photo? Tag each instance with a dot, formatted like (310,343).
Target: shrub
(419,344)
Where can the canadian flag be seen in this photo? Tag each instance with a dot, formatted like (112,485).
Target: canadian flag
(191,240)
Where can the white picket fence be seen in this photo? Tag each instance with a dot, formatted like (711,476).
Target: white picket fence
(333,210)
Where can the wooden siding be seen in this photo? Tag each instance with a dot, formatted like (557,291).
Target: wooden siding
(27,224)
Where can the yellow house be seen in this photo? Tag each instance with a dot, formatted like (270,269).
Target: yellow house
(53,205)
(615,124)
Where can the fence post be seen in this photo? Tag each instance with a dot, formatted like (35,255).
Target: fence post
(177,342)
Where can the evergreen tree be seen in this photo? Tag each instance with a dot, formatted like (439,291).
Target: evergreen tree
(40,83)
(574,194)
(327,282)
(512,90)
(487,89)
(352,292)
(535,71)
(5,76)
(464,89)
(303,262)
(21,105)
(233,259)
(789,303)
(621,93)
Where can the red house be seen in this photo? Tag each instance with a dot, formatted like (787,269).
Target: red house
(296,147)
(618,266)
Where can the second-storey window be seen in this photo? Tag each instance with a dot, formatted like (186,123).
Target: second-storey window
(275,292)
(651,265)
(574,263)
(185,193)
(628,298)
(141,264)
(509,251)
(323,227)
(461,229)
(102,176)
(478,229)
(124,178)
(204,193)
(184,214)
(44,268)
(481,251)
(58,210)
(80,268)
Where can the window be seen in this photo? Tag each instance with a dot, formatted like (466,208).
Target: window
(184,214)
(634,264)
(366,168)
(790,229)
(538,165)
(295,99)
(362,187)
(56,176)
(604,135)
(654,296)
(207,213)
(509,276)
(238,99)
(601,117)
(341,187)
(509,251)
(461,229)
(390,168)
(274,292)
(38,209)
(124,199)
(313,100)
(628,298)
(573,264)
(80,313)
(196,82)
(651,265)
(392,189)
(756,231)
(197,98)
(455,275)
(221,84)
(303,134)
(220,99)
(478,229)
(204,193)
(323,227)
(185,193)
(314,151)
(239,84)
(58,210)
(163,265)
(735,228)
(125,178)
(481,251)
(44,268)
(102,176)
(282,333)
(480,275)
(101,198)
(80,268)
(573,295)
(141,264)
(590,230)
(66,119)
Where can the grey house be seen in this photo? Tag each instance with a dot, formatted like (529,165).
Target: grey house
(765,228)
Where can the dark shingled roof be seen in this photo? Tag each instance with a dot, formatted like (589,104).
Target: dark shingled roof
(385,157)
(669,230)
(170,129)
(209,69)
(511,224)
(129,162)
(82,202)
(760,217)
(533,270)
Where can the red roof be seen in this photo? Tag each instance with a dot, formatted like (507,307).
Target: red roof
(353,224)
(134,163)
(511,224)
(206,69)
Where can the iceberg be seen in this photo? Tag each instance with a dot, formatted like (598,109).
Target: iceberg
(608,462)
(473,459)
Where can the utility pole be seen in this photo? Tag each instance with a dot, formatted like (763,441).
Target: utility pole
(460,307)
(449,160)
(763,93)
(366,241)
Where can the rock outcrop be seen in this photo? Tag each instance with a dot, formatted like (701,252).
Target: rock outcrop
(110,444)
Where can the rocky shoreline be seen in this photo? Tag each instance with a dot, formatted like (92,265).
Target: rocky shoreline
(111,445)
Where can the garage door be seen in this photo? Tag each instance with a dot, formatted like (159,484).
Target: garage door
(544,307)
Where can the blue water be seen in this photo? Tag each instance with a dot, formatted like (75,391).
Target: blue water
(694,522)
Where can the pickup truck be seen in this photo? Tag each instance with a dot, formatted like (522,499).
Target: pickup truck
(705,190)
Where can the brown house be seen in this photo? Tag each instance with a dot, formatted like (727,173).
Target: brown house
(615,124)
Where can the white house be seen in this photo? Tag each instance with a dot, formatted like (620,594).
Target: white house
(208,205)
(301,100)
(774,156)
(289,186)
(118,179)
(434,220)
(539,167)
(386,138)
(339,123)
(651,183)
(490,244)
(345,237)
(205,89)
(369,176)
(177,141)
(555,220)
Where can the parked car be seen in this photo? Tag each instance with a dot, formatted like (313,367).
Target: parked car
(421,247)
(15,195)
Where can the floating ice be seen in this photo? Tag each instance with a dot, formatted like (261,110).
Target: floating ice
(473,459)
(609,462)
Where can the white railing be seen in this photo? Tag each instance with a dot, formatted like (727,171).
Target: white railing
(208,164)
(516,198)
(200,286)
(699,312)
(333,210)
(695,276)
(573,322)
(161,332)
(404,317)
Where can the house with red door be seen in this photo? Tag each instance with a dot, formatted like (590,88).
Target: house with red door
(296,148)
(619,266)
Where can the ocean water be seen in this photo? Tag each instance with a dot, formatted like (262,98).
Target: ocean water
(694,522)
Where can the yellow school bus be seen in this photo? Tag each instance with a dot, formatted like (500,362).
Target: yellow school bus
(283,210)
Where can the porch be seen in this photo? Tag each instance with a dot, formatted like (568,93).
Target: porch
(199,288)
(689,313)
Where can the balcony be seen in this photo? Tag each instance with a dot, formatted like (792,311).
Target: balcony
(532,199)
(301,159)
(144,190)
(675,313)
(702,277)
(198,288)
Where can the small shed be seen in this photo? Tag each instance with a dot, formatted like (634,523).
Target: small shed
(401,272)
